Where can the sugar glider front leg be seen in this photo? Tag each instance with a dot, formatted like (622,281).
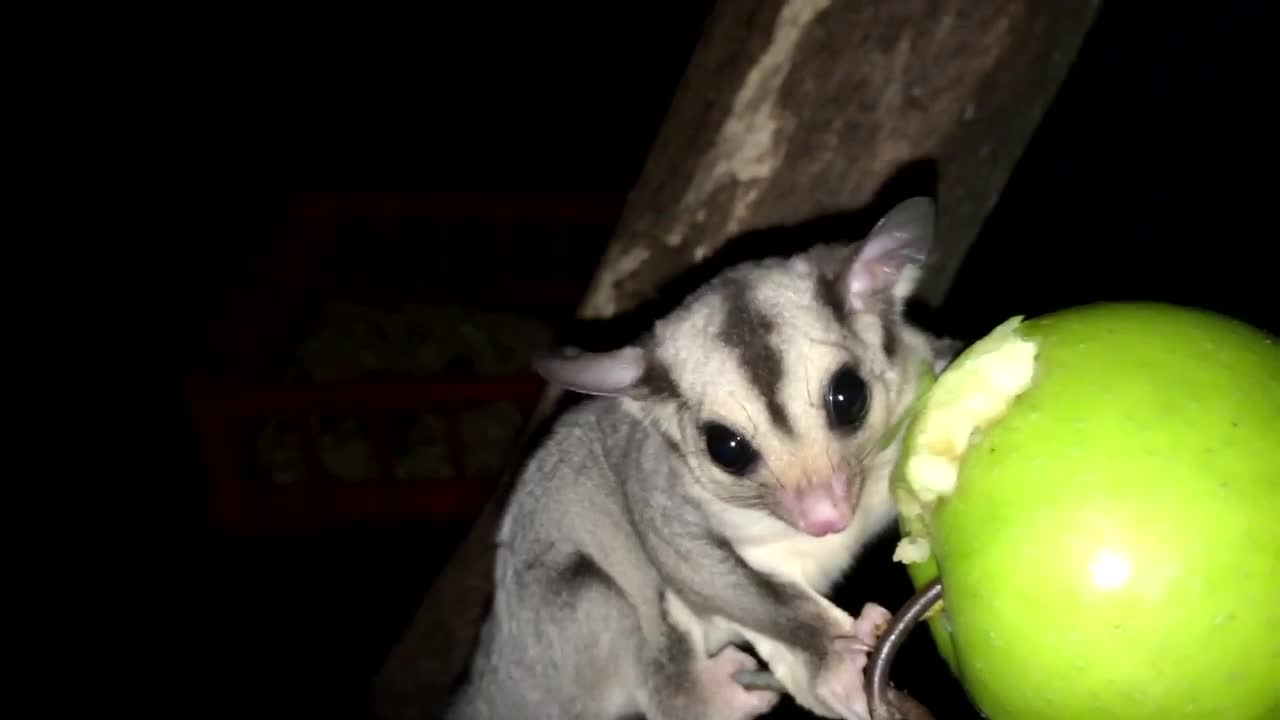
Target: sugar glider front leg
(816,650)
(837,690)
(683,678)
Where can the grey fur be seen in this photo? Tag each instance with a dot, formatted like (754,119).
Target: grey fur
(627,562)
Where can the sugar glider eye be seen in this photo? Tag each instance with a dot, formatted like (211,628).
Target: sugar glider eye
(728,449)
(846,399)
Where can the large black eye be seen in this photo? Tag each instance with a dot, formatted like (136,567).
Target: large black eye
(729,449)
(846,399)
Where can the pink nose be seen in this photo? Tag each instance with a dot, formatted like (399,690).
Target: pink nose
(820,508)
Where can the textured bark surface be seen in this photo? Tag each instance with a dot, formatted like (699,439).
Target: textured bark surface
(790,110)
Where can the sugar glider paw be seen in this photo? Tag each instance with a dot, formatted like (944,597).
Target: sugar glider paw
(841,682)
(725,698)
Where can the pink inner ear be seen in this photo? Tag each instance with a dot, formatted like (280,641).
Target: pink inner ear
(609,373)
(901,239)
(870,276)
(878,269)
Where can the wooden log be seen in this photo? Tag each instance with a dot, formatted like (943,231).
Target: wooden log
(790,110)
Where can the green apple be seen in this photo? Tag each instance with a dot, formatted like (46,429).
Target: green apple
(1099,490)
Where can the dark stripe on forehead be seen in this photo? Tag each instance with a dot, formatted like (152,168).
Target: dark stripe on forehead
(889,333)
(829,293)
(829,268)
(749,331)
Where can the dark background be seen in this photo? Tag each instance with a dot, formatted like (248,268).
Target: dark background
(154,148)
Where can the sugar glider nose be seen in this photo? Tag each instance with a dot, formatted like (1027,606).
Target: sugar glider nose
(819,508)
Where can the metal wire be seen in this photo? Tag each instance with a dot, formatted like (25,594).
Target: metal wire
(884,702)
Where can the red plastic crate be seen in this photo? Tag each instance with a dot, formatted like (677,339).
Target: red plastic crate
(241,504)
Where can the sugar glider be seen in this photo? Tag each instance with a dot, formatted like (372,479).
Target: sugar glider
(731,467)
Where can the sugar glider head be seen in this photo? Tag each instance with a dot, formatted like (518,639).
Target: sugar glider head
(777,381)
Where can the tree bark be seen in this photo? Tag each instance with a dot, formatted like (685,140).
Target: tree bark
(790,110)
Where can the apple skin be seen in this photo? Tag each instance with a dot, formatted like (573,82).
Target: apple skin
(1112,548)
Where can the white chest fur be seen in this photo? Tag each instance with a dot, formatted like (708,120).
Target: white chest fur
(769,545)
(815,562)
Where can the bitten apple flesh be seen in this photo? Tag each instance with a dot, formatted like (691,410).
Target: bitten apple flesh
(1099,489)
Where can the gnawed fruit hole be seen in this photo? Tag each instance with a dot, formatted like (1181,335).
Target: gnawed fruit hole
(968,397)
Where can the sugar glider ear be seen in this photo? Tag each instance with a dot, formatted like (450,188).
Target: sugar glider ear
(887,267)
(617,372)
(944,351)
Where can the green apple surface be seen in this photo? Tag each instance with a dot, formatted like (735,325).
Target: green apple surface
(1099,490)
